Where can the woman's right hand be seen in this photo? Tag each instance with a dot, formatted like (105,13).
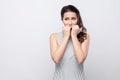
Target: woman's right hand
(66,31)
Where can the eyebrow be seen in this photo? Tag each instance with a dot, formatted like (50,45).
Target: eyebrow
(68,17)
(73,17)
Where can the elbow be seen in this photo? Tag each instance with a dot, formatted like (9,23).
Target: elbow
(56,60)
(81,61)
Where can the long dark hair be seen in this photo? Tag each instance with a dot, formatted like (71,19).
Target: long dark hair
(70,8)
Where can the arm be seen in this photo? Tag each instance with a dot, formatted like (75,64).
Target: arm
(80,49)
(57,51)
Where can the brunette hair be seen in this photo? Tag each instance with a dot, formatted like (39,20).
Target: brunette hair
(70,8)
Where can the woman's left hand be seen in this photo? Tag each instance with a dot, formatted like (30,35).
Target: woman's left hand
(75,30)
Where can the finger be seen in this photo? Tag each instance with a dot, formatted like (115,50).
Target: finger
(73,27)
(81,28)
(67,25)
(77,27)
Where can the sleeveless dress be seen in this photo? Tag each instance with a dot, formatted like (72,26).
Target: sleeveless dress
(68,68)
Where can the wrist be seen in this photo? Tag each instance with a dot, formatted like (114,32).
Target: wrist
(73,36)
(66,37)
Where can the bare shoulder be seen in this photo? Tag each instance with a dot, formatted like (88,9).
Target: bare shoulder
(88,36)
(53,35)
(87,40)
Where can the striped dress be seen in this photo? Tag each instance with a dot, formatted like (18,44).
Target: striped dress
(68,68)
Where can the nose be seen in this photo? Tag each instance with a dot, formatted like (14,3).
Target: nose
(70,23)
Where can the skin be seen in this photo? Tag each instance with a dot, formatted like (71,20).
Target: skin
(69,30)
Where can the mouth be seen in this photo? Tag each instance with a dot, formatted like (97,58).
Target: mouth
(70,26)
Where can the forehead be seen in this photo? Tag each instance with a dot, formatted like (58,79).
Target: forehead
(70,14)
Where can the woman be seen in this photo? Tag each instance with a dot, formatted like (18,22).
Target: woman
(69,47)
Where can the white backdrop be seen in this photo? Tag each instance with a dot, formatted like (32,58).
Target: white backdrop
(25,26)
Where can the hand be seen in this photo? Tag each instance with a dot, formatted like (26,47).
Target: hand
(66,31)
(75,30)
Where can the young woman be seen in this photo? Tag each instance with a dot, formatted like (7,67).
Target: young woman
(69,47)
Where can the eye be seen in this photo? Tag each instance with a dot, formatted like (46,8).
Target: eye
(73,18)
(67,18)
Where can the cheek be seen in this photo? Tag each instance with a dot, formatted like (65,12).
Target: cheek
(75,22)
(65,22)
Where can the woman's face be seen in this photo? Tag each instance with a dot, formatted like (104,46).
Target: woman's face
(69,19)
